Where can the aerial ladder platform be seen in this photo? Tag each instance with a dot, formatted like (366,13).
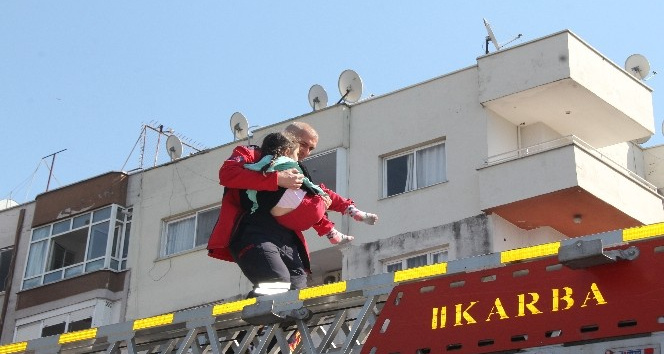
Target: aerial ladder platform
(601,293)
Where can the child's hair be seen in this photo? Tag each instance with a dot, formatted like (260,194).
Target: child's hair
(277,144)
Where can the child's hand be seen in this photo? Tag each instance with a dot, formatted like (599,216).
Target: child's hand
(337,237)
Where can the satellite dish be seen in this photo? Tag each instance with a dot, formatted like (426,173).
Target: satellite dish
(239,126)
(490,36)
(317,97)
(7,203)
(174,147)
(350,86)
(638,66)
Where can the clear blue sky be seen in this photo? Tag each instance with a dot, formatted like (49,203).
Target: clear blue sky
(85,75)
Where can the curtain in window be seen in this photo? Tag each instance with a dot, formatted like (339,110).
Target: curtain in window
(410,177)
(36,259)
(440,257)
(430,166)
(206,221)
(394,267)
(416,261)
(180,236)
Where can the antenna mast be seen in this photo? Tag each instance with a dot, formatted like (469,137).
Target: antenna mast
(50,172)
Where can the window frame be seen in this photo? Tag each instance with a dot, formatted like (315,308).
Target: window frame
(413,151)
(7,252)
(339,155)
(67,312)
(39,263)
(194,214)
(403,260)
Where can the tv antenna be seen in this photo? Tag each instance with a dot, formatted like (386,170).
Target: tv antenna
(492,38)
(50,170)
(317,97)
(174,147)
(638,66)
(350,86)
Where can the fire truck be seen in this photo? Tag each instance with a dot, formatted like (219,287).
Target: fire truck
(601,293)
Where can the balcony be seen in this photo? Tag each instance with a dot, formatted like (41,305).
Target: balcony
(569,186)
(564,83)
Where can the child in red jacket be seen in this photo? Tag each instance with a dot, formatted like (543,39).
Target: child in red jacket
(300,209)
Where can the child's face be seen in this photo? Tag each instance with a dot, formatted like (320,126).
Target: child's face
(292,153)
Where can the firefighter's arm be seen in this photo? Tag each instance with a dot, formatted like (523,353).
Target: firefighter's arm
(232,173)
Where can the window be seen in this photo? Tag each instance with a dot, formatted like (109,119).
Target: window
(433,257)
(77,245)
(415,169)
(189,232)
(66,319)
(323,168)
(5,263)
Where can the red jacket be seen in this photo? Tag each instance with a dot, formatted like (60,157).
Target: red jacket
(234,177)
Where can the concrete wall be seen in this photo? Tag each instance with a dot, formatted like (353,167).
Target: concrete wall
(162,284)
(9,219)
(506,236)
(654,165)
(502,135)
(463,238)
(444,108)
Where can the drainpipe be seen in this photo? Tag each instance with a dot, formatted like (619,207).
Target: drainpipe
(10,274)
(518,138)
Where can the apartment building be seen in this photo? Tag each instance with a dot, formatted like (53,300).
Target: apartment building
(69,266)
(530,144)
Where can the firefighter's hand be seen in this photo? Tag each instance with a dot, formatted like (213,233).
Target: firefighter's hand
(290,179)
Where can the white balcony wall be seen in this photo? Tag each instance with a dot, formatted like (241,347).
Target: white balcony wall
(611,185)
(563,82)
(565,167)
(613,85)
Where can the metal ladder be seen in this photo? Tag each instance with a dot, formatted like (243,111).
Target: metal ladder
(339,317)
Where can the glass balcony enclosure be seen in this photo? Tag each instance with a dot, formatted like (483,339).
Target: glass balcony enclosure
(81,244)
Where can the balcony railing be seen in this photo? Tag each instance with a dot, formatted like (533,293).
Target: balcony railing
(565,141)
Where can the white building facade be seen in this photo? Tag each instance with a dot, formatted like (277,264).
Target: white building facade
(530,145)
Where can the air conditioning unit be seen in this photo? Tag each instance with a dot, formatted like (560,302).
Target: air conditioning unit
(332,277)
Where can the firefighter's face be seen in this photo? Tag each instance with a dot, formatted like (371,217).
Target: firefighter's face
(308,143)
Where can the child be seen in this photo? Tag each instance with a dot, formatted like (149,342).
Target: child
(299,209)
